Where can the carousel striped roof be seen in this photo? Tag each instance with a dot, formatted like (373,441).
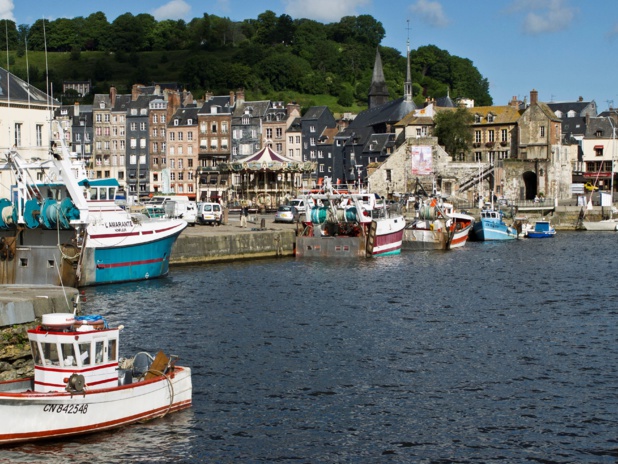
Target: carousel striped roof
(266,155)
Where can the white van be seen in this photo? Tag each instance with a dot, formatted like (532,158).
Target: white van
(186,210)
(209,213)
(300,205)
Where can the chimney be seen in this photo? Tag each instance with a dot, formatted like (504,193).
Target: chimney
(240,95)
(534,97)
(76,109)
(135,91)
(112,96)
(232,99)
(173,103)
(581,99)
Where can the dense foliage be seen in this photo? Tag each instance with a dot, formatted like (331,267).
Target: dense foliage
(266,56)
(453,130)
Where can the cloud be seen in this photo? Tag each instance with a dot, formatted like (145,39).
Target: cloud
(174,9)
(431,12)
(323,10)
(544,16)
(6,9)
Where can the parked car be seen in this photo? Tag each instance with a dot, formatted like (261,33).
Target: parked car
(209,213)
(287,213)
(299,204)
(181,209)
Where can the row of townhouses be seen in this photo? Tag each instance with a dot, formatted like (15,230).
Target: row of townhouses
(160,139)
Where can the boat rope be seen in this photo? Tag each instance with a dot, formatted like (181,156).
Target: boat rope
(170,388)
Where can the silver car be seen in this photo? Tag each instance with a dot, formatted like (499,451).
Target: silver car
(286,213)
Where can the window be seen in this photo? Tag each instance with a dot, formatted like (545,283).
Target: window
(154,118)
(312,128)
(39,135)
(388,175)
(190,136)
(224,127)
(298,139)
(490,117)
(478,157)
(503,135)
(477,118)
(491,135)
(278,132)
(180,136)
(291,139)
(213,127)
(477,136)
(133,126)
(142,126)
(542,131)
(172,136)
(598,150)
(269,133)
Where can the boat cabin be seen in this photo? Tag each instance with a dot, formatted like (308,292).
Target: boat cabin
(71,353)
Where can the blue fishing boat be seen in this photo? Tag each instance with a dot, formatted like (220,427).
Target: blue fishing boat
(492,227)
(58,227)
(542,229)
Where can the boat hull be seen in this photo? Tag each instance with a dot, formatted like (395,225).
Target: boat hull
(146,260)
(605,225)
(424,239)
(388,236)
(38,416)
(485,230)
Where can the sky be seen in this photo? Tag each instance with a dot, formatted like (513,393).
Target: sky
(564,49)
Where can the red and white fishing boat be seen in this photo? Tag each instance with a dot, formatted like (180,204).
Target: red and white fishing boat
(437,227)
(81,386)
(343,224)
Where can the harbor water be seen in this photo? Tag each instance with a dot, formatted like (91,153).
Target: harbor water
(495,352)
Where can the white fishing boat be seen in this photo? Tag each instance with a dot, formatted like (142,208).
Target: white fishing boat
(80,384)
(437,227)
(58,227)
(343,224)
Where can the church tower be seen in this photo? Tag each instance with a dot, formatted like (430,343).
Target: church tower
(407,87)
(378,91)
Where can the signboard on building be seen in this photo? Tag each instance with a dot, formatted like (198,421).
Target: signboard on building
(421,160)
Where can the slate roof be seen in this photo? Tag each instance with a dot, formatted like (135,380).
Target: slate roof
(221,101)
(259,108)
(183,115)
(18,90)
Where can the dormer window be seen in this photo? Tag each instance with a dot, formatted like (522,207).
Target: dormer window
(490,117)
(477,118)
(245,120)
(598,133)
(189,122)
(176,122)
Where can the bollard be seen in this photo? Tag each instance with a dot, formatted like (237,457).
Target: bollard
(263,224)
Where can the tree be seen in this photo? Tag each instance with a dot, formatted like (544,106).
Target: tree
(453,130)
(9,29)
(95,32)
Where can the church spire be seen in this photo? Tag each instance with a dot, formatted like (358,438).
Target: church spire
(378,91)
(407,87)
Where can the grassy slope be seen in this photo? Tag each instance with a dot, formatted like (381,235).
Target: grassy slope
(159,67)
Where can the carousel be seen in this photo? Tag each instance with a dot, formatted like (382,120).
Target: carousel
(264,180)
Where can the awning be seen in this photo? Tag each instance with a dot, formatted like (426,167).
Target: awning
(598,147)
